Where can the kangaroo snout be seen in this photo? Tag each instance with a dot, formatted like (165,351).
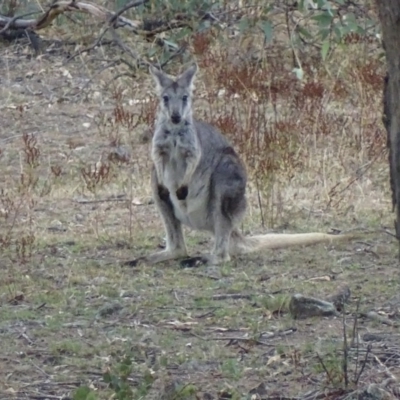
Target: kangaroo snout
(176,118)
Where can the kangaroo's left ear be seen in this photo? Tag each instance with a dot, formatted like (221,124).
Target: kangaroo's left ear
(186,78)
(160,78)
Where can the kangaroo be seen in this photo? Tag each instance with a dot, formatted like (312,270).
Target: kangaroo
(198,180)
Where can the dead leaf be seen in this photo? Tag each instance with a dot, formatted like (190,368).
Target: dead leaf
(325,278)
(182,326)
(274,359)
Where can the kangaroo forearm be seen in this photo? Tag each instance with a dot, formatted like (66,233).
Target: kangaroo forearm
(192,163)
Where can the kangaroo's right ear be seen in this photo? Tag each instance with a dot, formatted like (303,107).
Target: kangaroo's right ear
(160,78)
(187,77)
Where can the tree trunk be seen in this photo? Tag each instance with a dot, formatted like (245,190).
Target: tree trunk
(389,14)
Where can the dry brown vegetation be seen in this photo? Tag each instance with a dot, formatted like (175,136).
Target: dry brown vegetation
(75,200)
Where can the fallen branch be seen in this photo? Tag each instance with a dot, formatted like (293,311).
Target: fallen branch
(13,20)
(61,6)
(114,20)
(380,318)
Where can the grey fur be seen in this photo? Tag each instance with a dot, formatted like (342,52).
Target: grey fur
(198,180)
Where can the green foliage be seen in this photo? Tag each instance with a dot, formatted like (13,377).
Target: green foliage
(334,22)
(231,369)
(323,23)
(84,393)
(118,380)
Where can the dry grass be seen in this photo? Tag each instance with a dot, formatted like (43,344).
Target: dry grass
(75,199)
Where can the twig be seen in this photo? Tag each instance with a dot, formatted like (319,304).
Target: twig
(359,173)
(375,316)
(388,373)
(123,61)
(44,396)
(84,201)
(201,275)
(231,338)
(207,314)
(389,233)
(231,296)
(126,49)
(369,347)
(324,367)
(345,350)
(109,65)
(90,48)
(13,19)
(285,332)
(355,336)
(173,55)
(40,369)
(126,7)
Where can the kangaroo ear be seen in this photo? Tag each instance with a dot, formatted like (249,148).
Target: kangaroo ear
(160,78)
(187,77)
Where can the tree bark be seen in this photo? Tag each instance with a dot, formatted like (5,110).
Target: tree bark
(389,15)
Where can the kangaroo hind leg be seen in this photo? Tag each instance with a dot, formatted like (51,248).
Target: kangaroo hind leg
(176,247)
(226,207)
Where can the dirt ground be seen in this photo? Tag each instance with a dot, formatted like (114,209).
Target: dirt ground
(75,201)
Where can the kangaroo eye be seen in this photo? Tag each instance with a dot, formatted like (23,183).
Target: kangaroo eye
(184,98)
(166,99)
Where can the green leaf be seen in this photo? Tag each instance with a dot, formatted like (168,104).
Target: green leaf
(325,50)
(152,51)
(203,26)
(107,377)
(338,32)
(182,33)
(324,33)
(266,27)
(244,24)
(324,19)
(84,393)
(171,44)
(350,18)
(301,5)
(304,32)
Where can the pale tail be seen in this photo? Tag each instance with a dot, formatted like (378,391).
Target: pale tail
(242,244)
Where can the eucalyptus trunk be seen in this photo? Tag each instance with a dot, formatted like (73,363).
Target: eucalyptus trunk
(389,14)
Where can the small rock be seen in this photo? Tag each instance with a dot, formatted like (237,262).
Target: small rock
(56,226)
(109,309)
(79,218)
(373,337)
(261,390)
(306,307)
(374,392)
(119,154)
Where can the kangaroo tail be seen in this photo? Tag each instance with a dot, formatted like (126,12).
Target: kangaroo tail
(245,244)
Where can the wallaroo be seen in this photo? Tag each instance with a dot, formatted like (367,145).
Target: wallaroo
(198,180)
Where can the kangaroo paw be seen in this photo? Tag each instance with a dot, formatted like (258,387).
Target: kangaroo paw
(182,193)
(193,262)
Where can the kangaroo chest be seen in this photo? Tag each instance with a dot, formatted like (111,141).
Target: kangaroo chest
(178,171)
(189,202)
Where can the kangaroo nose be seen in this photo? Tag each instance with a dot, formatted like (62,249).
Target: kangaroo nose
(175,118)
